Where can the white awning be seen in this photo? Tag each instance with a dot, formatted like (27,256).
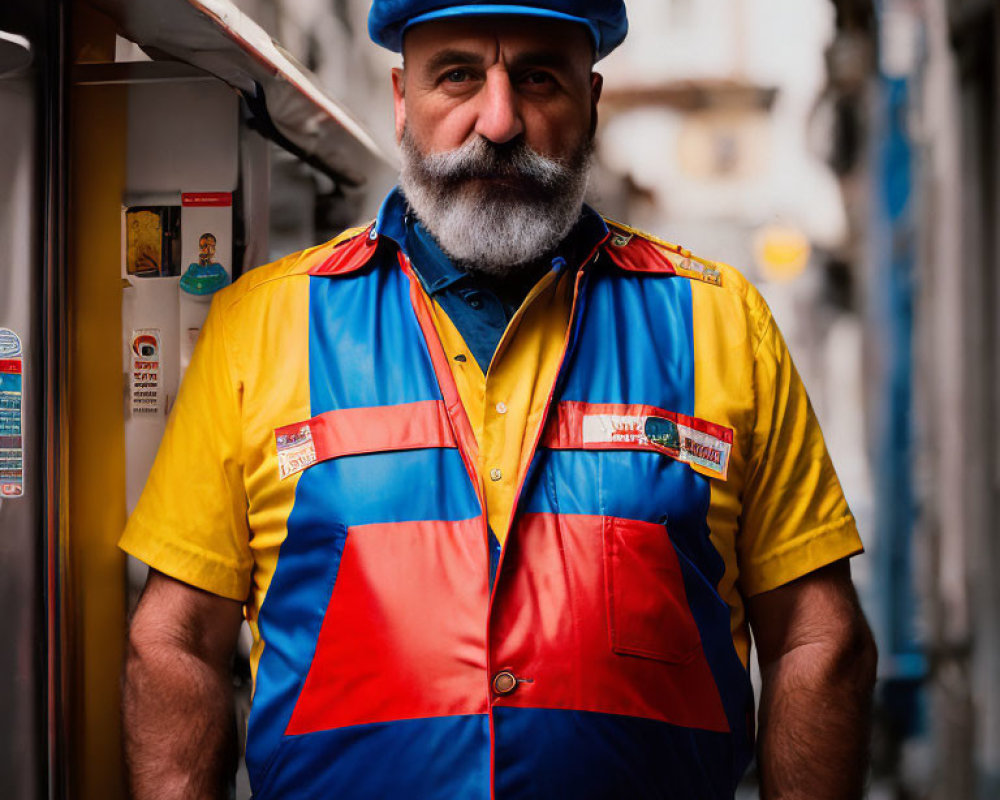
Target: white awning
(215,36)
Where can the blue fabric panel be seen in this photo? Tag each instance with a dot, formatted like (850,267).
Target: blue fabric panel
(397,486)
(364,351)
(289,622)
(634,344)
(443,758)
(547,753)
(711,614)
(619,483)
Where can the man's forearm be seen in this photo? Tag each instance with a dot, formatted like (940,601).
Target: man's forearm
(180,737)
(814,721)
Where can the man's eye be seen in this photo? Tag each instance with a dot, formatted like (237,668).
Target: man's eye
(456,76)
(537,78)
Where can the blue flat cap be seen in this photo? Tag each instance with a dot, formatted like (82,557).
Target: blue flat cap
(605,19)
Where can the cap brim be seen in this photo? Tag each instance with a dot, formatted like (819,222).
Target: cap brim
(457,12)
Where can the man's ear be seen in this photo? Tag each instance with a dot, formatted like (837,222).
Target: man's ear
(596,86)
(398,101)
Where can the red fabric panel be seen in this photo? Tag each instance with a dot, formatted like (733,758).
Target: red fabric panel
(350,431)
(403,636)
(348,256)
(648,613)
(641,255)
(551,622)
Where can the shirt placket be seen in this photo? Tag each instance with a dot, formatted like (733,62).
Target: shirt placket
(508,419)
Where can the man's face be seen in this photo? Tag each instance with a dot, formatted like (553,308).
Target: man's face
(499,78)
(496,118)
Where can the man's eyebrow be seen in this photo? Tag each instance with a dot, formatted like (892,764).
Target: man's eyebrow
(452,57)
(553,59)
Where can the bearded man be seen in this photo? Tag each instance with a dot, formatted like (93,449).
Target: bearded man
(500,486)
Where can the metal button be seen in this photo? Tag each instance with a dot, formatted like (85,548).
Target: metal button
(501,408)
(504,682)
(495,474)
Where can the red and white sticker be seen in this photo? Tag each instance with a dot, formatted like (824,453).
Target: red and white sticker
(203,199)
(296,449)
(702,444)
(145,385)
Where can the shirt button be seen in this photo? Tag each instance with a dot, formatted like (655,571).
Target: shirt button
(495,474)
(501,408)
(504,682)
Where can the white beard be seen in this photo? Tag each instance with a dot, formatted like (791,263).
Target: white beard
(494,209)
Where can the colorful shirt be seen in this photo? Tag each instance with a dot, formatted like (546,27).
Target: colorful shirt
(323,462)
(503,389)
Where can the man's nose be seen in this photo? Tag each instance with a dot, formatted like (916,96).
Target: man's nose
(499,118)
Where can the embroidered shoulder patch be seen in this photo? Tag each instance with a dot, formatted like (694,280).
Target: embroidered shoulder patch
(681,260)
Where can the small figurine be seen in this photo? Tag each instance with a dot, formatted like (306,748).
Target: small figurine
(206,276)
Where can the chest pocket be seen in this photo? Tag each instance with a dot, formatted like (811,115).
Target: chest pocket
(648,611)
(644,472)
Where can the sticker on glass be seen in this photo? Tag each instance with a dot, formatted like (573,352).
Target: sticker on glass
(11,415)
(145,376)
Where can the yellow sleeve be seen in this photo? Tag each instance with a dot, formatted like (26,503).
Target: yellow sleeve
(191,519)
(794,518)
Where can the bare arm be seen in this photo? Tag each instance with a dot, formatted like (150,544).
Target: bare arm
(817,661)
(180,737)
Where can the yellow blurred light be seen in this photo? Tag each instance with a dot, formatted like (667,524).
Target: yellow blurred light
(782,252)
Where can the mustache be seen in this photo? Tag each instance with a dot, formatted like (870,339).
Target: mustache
(482,159)
(522,206)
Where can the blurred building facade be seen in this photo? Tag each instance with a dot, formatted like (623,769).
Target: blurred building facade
(914,88)
(952,110)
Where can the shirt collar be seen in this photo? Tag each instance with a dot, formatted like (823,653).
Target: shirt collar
(391,218)
(437,272)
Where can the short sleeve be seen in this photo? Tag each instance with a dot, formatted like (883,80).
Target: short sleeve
(191,519)
(795,518)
